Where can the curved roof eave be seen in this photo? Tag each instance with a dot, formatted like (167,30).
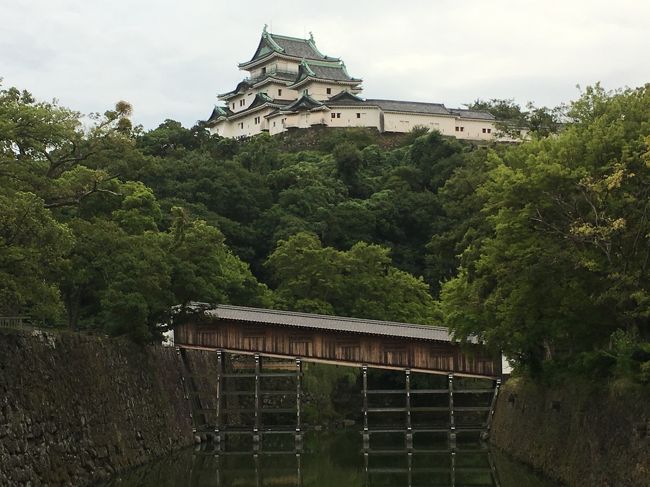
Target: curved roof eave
(307,79)
(252,110)
(235,92)
(256,62)
(271,79)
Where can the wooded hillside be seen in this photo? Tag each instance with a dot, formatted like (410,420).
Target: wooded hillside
(541,249)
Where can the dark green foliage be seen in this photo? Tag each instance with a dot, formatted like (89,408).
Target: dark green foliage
(541,249)
(541,121)
(560,273)
(82,244)
(360,282)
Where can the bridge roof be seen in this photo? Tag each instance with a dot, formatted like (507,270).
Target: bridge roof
(326,322)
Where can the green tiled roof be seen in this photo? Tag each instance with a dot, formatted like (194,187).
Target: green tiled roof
(345,98)
(304,102)
(219,112)
(410,106)
(332,71)
(462,112)
(288,46)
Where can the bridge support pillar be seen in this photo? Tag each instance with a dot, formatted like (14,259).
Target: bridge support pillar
(452,419)
(453,468)
(219,385)
(495,394)
(298,403)
(187,392)
(366,433)
(409,426)
(256,424)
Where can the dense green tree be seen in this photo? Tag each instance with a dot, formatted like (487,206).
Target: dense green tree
(33,246)
(541,249)
(460,221)
(511,117)
(565,263)
(78,238)
(204,268)
(360,282)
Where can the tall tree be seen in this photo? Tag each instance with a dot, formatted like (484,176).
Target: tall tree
(566,262)
(360,282)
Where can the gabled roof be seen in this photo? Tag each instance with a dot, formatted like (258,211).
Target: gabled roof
(288,46)
(462,112)
(323,322)
(241,86)
(305,102)
(284,78)
(329,71)
(219,112)
(346,98)
(277,75)
(410,106)
(261,100)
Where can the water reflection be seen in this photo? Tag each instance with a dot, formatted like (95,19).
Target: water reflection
(330,460)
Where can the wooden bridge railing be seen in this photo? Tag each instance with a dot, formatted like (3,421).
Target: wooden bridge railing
(15,321)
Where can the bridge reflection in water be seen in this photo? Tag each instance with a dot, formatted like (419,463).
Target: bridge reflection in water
(332,459)
(470,465)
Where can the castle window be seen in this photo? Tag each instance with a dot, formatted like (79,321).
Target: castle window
(233,105)
(457,128)
(263,71)
(279,92)
(485,131)
(489,131)
(257,120)
(462,129)
(358,115)
(338,115)
(329,91)
(241,125)
(333,115)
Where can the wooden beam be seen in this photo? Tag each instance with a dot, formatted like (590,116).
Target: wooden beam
(343,363)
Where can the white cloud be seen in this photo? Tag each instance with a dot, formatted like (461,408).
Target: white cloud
(170,59)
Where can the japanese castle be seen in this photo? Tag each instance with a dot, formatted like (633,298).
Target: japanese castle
(291,85)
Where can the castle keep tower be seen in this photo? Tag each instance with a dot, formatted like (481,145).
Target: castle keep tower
(287,75)
(291,84)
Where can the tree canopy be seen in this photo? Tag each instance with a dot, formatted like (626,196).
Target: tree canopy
(540,248)
(561,268)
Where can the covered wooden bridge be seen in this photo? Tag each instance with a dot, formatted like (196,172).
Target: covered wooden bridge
(332,339)
(276,343)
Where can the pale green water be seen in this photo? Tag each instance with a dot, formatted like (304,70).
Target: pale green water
(332,459)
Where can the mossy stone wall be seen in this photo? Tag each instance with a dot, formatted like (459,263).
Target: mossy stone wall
(76,409)
(581,435)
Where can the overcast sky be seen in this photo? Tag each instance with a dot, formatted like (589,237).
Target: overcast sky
(170,58)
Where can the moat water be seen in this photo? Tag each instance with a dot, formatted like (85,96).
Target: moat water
(332,459)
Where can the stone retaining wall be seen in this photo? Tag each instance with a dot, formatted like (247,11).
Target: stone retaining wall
(581,436)
(75,409)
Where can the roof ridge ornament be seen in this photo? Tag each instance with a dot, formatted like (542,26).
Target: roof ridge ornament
(311,36)
(265,30)
(305,64)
